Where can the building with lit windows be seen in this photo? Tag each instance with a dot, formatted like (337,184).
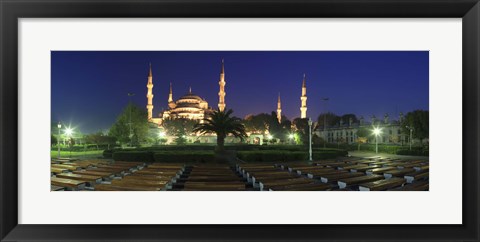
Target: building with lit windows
(346,132)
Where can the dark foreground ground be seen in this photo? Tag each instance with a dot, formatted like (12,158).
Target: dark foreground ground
(362,172)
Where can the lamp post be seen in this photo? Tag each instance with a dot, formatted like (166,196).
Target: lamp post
(410,137)
(130,135)
(376,132)
(68,133)
(309,139)
(291,136)
(325,123)
(59,126)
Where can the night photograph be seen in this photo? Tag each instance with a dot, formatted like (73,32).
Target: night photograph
(239,121)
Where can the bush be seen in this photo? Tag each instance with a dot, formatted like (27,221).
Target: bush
(137,156)
(416,151)
(185,156)
(283,156)
(108,153)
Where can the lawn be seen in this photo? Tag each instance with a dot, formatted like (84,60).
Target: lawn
(77,154)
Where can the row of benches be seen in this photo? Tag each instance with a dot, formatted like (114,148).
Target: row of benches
(86,175)
(211,177)
(367,174)
(347,174)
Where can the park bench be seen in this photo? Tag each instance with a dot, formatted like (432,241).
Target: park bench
(70,168)
(67,183)
(157,172)
(417,175)
(54,170)
(270,177)
(56,188)
(213,178)
(115,172)
(140,182)
(148,178)
(381,185)
(104,175)
(263,184)
(61,160)
(324,171)
(92,180)
(330,164)
(125,187)
(419,168)
(77,164)
(397,173)
(351,181)
(411,164)
(333,177)
(366,162)
(303,187)
(379,170)
(380,163)
(350,167)
(166,167)
(415,186)
(364,168)
(210,186)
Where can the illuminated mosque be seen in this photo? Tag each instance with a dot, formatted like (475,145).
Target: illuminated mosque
(193,107)
(189,106)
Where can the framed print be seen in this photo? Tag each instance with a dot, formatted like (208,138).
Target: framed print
(268,120)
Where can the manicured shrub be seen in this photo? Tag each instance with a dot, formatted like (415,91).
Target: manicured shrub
(283,156)
(108,153)
(184,156)
(137,156)
(416,152)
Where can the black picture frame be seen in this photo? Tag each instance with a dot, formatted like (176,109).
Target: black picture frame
(11,11)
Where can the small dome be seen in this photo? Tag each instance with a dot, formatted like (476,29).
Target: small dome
(190,96)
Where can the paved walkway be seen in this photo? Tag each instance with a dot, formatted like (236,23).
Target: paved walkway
(370,154)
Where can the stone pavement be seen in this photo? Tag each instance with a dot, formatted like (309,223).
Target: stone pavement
(370,154)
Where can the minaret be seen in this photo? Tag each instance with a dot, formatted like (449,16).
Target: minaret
(170,94)
(303,108)
(149,93)
(221,93)
(279,109)
(171,103)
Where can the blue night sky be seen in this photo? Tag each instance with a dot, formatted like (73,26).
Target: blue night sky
(89,88)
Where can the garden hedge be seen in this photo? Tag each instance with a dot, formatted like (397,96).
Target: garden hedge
(141,156)
(185,156)
(416,152)
(283,156)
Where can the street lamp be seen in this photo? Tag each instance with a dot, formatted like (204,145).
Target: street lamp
(410,138)
(325,123)
(59,126)
(309,139)
(68,133)
(376,131)
(130,95)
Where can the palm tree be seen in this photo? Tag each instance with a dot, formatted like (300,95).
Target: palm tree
(221,123)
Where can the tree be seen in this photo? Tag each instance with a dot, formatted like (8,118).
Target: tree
(179,126)
(121,128)
(257,123)
(331,118)
(222,124)
(346,118)
(362,136)
(300,125)
(418,120)
(99,138)
(53,140)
